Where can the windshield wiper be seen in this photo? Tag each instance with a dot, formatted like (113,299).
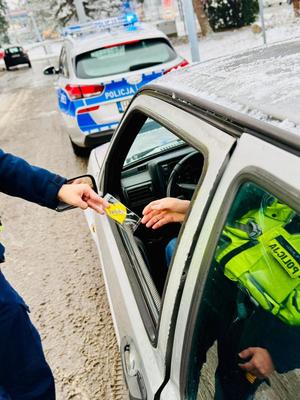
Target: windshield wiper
(153,150)
(138,156)
(143,65)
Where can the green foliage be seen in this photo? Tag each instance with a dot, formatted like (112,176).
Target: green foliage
(224,14)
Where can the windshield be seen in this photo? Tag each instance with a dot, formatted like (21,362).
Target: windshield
(14,50)
(152,139)
(126,57)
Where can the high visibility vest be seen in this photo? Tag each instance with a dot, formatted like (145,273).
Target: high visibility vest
(264,259)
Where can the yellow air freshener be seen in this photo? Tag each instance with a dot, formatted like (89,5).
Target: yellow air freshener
(117,212)
(121,214)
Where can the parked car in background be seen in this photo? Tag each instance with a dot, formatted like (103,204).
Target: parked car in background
(1,54)
(224,134)
(101,66)
(15,55)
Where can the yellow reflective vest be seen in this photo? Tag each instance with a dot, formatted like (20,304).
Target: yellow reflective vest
(264,258)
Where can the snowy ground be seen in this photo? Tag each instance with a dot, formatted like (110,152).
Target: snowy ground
(280,25)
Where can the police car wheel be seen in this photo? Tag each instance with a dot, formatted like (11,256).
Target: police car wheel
(29,65)
(80,151)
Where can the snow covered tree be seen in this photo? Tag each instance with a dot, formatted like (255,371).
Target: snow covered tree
(64,11)
(97,9)
(41,12)
(3,22)
(50,15)
(231,13)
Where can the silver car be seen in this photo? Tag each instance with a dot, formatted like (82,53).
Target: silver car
(219,318)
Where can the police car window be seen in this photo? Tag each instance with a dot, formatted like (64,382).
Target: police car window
(132,56)
(63,68)
(152,139)
(62,52)
(247,339)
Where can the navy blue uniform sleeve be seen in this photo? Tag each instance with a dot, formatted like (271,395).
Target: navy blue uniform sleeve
(20,179)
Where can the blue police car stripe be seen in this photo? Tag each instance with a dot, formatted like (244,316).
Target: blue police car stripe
(114,92)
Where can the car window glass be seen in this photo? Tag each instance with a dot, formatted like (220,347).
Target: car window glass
(63,68)
(14,50)
(60,62)
(151,139)
(247,338)
(132,56)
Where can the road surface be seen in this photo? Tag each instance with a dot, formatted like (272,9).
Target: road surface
(51,259)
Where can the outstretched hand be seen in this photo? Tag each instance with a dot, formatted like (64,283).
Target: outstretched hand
(260,363)
(164,211)
(83,196)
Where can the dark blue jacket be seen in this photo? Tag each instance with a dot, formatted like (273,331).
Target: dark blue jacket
(20,179)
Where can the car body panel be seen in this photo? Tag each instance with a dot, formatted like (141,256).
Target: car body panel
(112,102)
(251,158)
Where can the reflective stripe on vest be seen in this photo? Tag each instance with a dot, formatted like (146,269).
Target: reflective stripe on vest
(268,267)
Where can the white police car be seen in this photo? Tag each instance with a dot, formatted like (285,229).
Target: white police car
(102,65)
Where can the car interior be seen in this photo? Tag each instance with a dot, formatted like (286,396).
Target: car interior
(158,164)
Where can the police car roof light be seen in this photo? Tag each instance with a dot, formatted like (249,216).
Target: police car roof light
(126,20)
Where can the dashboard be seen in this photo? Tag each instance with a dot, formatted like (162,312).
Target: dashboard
(148,180)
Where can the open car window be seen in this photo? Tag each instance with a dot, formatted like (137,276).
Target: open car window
(247,338)
(146,173)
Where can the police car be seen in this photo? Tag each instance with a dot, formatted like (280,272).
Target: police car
(102,65)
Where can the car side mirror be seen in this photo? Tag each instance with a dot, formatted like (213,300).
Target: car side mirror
(88,179)
(51,70)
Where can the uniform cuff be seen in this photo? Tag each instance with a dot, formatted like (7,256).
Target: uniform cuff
(52,190)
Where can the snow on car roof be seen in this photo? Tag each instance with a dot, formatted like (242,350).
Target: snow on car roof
(262,83)
(99,39)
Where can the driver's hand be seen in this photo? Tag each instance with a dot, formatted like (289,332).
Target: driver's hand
(164,211)
(260,363)
(83,196)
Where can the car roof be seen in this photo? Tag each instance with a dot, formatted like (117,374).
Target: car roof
(257,89)
(13,47)
(89,42)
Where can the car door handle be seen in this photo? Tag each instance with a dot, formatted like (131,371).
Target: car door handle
(133,377)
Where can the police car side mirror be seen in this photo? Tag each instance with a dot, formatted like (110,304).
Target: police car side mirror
(88,179)
(51,70)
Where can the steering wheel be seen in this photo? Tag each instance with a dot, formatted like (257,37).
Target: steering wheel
(178,185)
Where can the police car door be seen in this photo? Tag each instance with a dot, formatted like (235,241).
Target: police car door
(274,172)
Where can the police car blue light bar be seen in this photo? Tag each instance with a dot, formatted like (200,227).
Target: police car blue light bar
(126,20)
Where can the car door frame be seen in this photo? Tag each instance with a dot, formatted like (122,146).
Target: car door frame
(216,145)
(254,160)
